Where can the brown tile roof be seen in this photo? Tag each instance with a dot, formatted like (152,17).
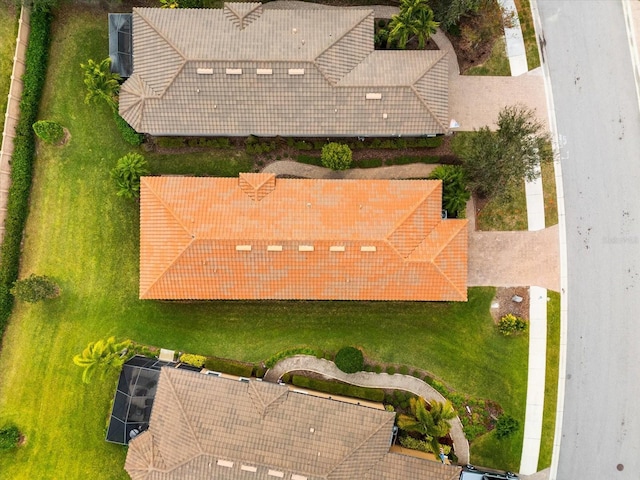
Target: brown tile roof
(258,237)
(331,50)
(208,427)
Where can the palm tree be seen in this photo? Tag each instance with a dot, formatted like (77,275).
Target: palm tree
(414,20)
(100,82)
(101,356)
(432,423)
(127,174)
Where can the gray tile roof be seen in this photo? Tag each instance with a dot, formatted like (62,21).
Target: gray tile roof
(232,71)
(209,427)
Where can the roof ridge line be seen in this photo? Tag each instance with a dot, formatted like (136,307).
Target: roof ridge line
(442,247)
(369,12)
(421,100)
(404,218)
(160,34)
(448,280)
(179,222)
(364,442)
(184,414)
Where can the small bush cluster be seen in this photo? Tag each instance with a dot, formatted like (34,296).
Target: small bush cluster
(128,133)
(232,367)
(126,174)
(395,143)
(336,156)
(349,360)
(271,361)
(415,444)
(399,399)
(22,159)
(194,360)
(194,142)
(512,325)
(262,147)
(455,194)
(338,388)
(506,426)
(35,288)
(9,437)
(48,131)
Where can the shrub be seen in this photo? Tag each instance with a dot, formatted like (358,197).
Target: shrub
(258,371)
(232,367)
(194,360)
(273,359)
(35,288)
(338,388)
(377,368)
(101,83)
(455,194)
(391,370)
(9,437)
(22,159)
(369,163)
(128,133)
(349,360)
(48,131)
(506,426)
(403,370)
(415,444)
(336,156)
(302,145)
(127,174)
(170,142)
(511,325)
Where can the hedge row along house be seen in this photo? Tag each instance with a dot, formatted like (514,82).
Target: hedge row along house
(246,69)
(262,237)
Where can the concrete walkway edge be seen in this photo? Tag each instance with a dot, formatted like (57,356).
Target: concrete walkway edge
(373,380)
(12,114)
(516,52)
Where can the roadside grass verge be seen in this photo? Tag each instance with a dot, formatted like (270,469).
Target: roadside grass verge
(551,380)
(497,64)
(8,33)
(86,238)
(528,33)
(549,194)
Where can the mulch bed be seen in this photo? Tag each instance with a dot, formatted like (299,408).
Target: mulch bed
(506,305)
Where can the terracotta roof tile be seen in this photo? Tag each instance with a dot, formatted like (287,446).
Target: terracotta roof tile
(258,237)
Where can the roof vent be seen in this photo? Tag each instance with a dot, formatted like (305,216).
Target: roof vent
(274,248)
(384,115)
(243,248)
(305,248)
(204,71)
(264,71)
(368,248)
(275,473)
(336,248)
(295,476)
(249,468)
(225,463)
(233,71)
(373,96)
(296,71)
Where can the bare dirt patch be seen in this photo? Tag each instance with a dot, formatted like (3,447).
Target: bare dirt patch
(506,304)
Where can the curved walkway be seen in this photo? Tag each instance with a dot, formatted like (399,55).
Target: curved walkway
(395,172)
(373,380)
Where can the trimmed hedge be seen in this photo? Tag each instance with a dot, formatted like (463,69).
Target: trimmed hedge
(232,367)
(194,360)
(22,160)
(48,131)
(128,133)
(338,388)
(349,360)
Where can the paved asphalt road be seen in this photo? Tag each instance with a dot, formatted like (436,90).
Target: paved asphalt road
(598,122)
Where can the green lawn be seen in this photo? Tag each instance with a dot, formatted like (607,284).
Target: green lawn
(505,212)
(496,64)
(8,33)
(551,381)
(83,235)
(549,194)
(528,33)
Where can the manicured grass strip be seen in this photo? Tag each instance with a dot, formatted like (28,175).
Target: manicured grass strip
(551,381)
(528,33)
(338,388)
(8,33)
(549,193)
(22,160)
(497,64)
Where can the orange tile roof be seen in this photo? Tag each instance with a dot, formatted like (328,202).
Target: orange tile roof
(258,237)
